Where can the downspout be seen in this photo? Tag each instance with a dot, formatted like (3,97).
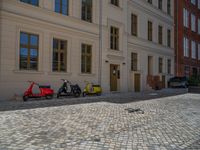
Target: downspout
(1,3)
(100,41)
(177,42)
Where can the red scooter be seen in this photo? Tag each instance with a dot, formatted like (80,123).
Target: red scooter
(45,91)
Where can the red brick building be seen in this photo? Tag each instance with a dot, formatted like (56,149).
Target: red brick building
(187,37)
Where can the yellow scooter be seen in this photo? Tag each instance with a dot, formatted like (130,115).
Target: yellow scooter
(91,89)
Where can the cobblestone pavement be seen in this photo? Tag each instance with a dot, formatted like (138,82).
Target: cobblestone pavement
(166,123)
(113,98)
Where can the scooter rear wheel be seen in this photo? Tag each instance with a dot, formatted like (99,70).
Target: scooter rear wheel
(58,95)
(25,98)
(77,93)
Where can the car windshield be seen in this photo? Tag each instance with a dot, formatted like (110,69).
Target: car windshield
(178,79)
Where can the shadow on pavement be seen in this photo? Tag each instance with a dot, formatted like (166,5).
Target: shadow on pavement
(118,98)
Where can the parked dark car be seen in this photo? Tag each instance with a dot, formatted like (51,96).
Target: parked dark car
(178,82)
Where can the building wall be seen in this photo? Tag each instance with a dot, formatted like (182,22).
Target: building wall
(180,32)
(143,47)
(17,16)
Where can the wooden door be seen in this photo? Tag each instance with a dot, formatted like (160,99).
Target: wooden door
(163,81)
(113,77)
(137,82)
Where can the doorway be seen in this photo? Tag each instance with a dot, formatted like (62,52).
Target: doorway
(150,65)
(114,77)
(137,79)
(163,81)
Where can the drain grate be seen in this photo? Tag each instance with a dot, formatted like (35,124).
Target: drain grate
(136,110)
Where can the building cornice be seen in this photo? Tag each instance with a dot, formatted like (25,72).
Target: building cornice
(37,14)
(153,11)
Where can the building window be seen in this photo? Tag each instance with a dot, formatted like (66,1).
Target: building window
(150,31)
(198,26)
(134,25)
(169,66)
(59,55)
(149,1)
(62,6)
(160,4)
(193,22)
(134,61)
(185,18)
(87,10)
(160,34)
(169,7)
(29,46)
(186,47)
(114,38)
(193,2)
(160,65)
(115,2)
(194,52)
(86,59)
(32,2)
(169,38)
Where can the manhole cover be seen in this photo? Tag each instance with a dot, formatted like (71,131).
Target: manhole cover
(132,110)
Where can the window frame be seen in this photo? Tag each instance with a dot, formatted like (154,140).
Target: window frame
(84,12)
(114,38)
(134,61)
(28,46)
(168,37)
(160,34)
(169,7)
(169,66)
(59,51)
(134,24)
(61,6)
(85,55)
(160,4)
(160,65)
(30,2)
(115,2)
(150,30)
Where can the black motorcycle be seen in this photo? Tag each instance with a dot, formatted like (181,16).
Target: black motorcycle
(67,89)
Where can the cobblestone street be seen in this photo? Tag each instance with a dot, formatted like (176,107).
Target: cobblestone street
(162,124)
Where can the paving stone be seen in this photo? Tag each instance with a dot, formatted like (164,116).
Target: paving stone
(167,123)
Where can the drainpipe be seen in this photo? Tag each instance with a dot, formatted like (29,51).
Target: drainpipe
(177,43)
(100,41)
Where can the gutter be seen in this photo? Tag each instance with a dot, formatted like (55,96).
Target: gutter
(100,42)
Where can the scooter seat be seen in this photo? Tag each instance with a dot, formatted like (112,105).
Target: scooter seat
(45,86)
(96,85)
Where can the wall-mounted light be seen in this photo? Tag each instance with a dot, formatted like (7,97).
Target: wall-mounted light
(106,61)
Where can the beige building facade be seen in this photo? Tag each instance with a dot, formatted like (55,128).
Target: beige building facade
(84,40)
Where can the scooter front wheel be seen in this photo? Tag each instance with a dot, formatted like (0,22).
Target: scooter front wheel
(49,96)
(84,94)
(58,95)
(25,98)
